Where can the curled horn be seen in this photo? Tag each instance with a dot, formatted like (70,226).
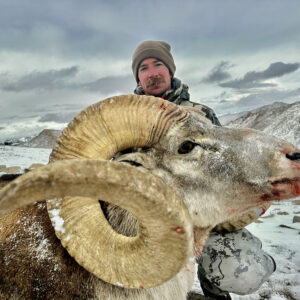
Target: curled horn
(162,245)
(115,124)
(82,177)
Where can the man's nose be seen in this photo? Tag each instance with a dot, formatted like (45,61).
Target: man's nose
(152,72)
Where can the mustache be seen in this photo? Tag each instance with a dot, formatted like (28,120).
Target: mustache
(154,80)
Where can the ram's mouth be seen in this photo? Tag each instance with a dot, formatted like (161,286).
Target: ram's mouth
(284,188)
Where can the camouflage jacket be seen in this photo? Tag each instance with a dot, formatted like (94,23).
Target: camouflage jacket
(179,95)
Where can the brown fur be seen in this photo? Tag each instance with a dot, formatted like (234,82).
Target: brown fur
(50,272)
(6,179)
(3,184)
(34,265)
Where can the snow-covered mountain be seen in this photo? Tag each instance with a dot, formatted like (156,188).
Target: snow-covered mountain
(279,119)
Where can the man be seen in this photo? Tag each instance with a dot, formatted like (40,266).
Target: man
(153,68)
(231,259)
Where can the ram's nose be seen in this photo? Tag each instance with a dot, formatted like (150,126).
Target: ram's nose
(295,156)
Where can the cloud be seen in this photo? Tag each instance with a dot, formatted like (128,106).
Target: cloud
(261,98)
(30,127)
(110,84)
(96,28)
(57,117)
(218,73)
(48,80)
(84,56)
(65,79)
(255,79)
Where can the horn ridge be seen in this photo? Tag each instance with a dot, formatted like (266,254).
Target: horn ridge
(115,124)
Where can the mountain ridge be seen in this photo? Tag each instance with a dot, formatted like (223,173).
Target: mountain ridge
(279,119)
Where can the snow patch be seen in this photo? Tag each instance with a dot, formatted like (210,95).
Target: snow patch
(57,220)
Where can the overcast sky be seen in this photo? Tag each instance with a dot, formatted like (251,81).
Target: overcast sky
(59,56)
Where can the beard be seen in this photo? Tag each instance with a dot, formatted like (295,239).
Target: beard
(154,81)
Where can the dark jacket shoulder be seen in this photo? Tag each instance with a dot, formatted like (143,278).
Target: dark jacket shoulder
(209,113)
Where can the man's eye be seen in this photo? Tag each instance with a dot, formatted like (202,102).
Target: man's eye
(186,147)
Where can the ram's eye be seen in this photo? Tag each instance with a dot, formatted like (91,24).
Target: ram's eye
(186,147)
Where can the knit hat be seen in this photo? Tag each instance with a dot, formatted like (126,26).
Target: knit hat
(153,49)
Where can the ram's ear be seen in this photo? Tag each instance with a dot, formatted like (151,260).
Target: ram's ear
(137,159)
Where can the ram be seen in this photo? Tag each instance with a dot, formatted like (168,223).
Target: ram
(128,226)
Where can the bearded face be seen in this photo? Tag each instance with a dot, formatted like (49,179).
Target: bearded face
(154,77)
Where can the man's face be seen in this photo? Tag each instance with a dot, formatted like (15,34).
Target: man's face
(154,77)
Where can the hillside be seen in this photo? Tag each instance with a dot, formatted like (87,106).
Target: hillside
(46,139)
(279,119)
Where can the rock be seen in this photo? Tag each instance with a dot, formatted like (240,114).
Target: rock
(297,212)
(2,167)
(282,213)
(11,170)
(296,219)
(285,226)
(297,202)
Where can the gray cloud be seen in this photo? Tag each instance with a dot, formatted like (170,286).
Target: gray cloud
(110,84)
(62,79)
(105,28)
(100,37)
(261,98)
(254,79)
(218,73)
(58,117)
(52,79)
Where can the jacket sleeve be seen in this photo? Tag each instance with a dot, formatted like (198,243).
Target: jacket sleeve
(209,113)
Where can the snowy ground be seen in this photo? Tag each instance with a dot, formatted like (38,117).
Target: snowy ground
(22,157)
(282,243)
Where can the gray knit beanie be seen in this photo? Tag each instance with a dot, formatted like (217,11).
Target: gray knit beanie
(152,49)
